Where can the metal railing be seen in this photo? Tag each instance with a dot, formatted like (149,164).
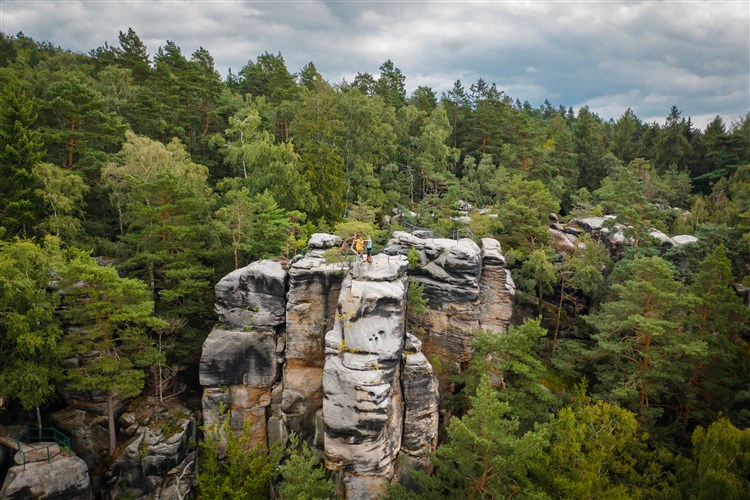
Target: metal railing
(44,438)
(457,233)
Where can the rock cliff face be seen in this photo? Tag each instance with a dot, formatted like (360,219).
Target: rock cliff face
(322,350)
(614,240)
(158,458)
(362,409)
(65,476)
(467,288)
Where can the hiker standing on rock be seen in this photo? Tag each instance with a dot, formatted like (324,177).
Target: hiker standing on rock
(359,246)
(369,249)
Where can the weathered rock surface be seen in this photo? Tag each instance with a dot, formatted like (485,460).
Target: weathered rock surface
(88,433)
(323,241)
(241,357)
(362,408)
(313,295)
(496,289)
(162,443)
(334,371)
(615,239)
(233,357)
(467,288)
(90,401)
(63,477)
(562,241)
(253,296)
(421,399)
(683,239)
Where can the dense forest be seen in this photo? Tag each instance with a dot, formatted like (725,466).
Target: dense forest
(130,183)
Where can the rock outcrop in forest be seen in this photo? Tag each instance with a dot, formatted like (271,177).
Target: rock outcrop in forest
(322,350)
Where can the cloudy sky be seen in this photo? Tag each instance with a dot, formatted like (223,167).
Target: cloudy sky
(609,55)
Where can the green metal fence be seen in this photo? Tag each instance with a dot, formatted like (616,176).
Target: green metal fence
(44,438)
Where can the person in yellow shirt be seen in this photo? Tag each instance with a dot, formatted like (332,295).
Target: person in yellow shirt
(359,246)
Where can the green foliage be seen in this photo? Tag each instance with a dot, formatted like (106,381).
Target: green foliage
(538,274)
(165,204)
(267,157)
(413,256)
(687,258)
(484,225)
(255,226)
(642,339)
(434,159)
(112,317)
(314,130)
(718,317)
(597,451)
(523,213)
(230,467)
(109,321)
(62,193)
(622,194)
(514,369)
(483,455)
(30,331)
(359,220)
(416,304)
(720,463)
(303,475)
(367,142)
(586,266)
(262,165)
(21,149)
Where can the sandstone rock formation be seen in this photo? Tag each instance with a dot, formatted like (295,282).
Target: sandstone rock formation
(159,449)
(321,349)
(362,408)
(65,476)
(88,434)
(313,296)
(467,288)
(239,364)
(614,239)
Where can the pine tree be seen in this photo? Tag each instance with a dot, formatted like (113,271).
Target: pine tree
(165,205)
(647,351)
(391,85)
(315,131)
(21,149)
(303,474)
(717,319)
(110,319)
(539,274)
(483,455)
(523,211)
(514,369)
(133,55)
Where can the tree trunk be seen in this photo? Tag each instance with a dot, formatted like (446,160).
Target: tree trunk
(559,311)
(540,288)
(71,143)
(38,418)
(111,423)
(161,375)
